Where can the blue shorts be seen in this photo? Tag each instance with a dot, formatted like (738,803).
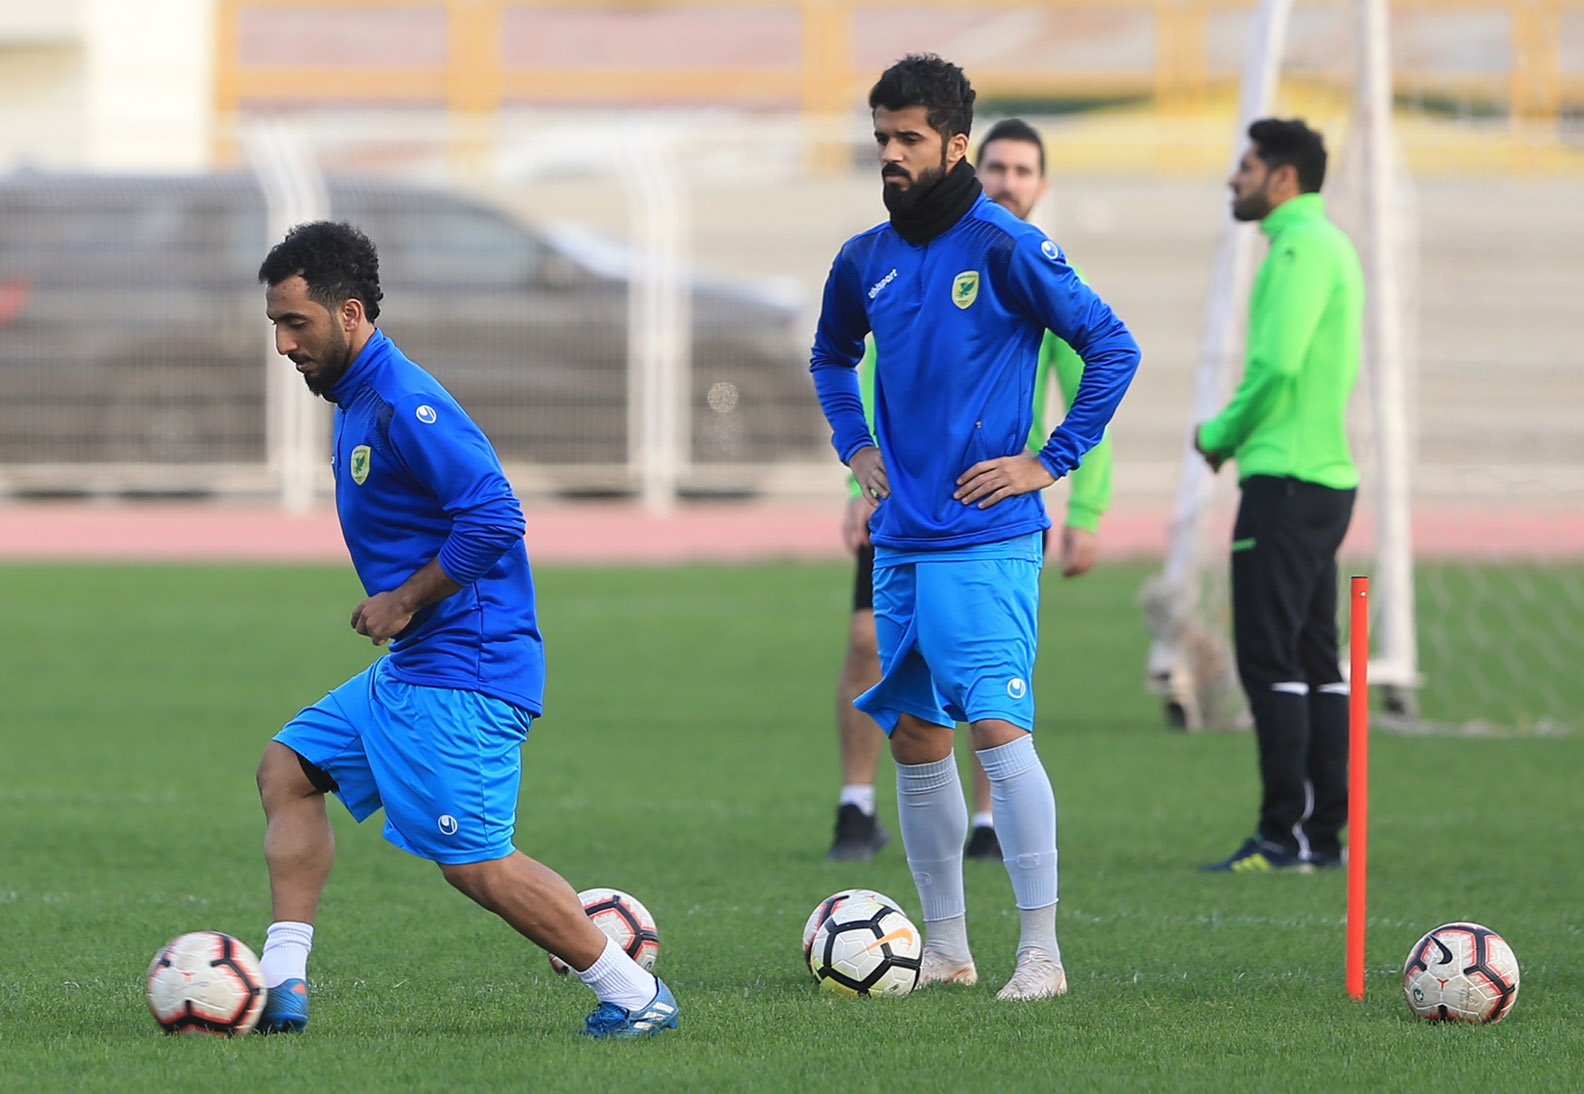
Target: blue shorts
(957,633)
(445,764)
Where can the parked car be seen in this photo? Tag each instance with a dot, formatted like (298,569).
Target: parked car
(132,328)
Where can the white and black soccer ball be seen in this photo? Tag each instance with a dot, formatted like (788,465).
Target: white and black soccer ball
(1461,972)
(206,982)
(824,908)
(625,920)
(866,948)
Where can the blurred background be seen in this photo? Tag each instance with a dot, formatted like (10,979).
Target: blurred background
(605,226)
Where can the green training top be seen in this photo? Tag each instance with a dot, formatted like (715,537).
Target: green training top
(1090,485)
(1288,414)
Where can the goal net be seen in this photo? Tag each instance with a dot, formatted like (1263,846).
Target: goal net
(1464,423)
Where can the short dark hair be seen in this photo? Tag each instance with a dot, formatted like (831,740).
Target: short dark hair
(337,260)
(940,87)
(1280,142)
(1014,129)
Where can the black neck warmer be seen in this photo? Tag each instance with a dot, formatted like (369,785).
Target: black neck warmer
(920,216)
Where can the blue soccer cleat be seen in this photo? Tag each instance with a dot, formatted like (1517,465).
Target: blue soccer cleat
(1258,856)
(286,1008)
(609,1020)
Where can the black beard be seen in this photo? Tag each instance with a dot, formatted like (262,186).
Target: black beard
(331,374)
(898,200)
(318,388)
(1256,206)
(1248,211)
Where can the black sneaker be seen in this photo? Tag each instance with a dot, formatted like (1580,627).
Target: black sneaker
(858,835)
(983,845)
(1258,856)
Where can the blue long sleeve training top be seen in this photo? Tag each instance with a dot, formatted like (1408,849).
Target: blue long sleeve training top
(415,480)
(957,323)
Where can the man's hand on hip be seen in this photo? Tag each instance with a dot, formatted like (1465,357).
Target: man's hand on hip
(869,469)
(990,481)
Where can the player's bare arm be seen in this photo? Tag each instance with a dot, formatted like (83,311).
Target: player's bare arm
(383,616)
(989,481)
(869,469)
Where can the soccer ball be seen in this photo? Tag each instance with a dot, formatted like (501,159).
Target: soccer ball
(1461,972)
(206,982)
(825,907)
(866,948)
(624,920)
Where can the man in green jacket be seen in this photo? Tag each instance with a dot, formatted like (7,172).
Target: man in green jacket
(1285,425)
(1011,167)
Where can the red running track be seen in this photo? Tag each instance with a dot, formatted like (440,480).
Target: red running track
(606,533)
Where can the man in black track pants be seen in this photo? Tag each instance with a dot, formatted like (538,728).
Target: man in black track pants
(1285,425)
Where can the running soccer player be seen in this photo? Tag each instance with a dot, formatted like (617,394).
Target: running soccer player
(433,732)
(958,293)
(1011,167)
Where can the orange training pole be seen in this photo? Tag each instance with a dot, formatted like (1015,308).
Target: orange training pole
(1358,779)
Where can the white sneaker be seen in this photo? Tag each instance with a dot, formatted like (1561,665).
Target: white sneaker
(935,969)
(1037,977)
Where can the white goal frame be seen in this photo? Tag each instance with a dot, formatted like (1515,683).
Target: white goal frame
(1189,664)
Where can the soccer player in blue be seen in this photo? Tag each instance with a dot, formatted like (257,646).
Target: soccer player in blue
(958,293)
(431,733)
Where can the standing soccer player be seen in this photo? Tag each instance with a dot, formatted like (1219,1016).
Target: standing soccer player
(1285,425)
(433,732)
(1011,168)
(958,293)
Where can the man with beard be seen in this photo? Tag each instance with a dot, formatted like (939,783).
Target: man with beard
(1011,168)
(1286,426)
(958,293)
(433,732)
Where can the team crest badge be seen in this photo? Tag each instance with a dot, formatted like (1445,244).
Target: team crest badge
(965,288)
(360,463)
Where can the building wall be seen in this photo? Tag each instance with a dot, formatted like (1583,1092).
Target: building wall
(112,85)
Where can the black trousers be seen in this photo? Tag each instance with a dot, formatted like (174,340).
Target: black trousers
(1284,619)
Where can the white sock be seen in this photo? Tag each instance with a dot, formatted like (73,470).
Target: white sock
(934,823)
(983,820)
(860,794)
(1025,812)
(1039,931)
(617,978)
(285,955)
(949,938)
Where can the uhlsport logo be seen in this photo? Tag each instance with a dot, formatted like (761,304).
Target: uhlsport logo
(426,414)
(965,288)
(448,824)
(360,463)
(1048,249)
(1017,687)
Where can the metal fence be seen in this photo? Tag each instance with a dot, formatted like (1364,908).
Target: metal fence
(134,353)
(626,304)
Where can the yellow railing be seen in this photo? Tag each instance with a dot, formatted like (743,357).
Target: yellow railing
(463,67)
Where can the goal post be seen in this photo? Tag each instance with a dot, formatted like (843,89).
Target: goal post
(1190,660)
(1394,667)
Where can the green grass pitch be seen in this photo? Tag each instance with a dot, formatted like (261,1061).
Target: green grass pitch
(688,756)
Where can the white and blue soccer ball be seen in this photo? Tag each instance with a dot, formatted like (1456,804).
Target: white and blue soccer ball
(205,982)
(866,948)
(1461,972)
